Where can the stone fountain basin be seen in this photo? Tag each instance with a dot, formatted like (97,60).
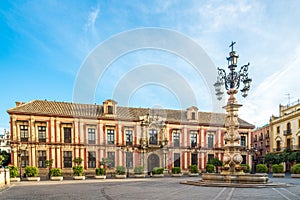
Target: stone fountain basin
(235,178)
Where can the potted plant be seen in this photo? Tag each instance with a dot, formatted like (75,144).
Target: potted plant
(31,173)
(139,172)
(78,169)
(296,171)
(120,172)
(210,168)
(49,166)
(261,168)
(158,172)
(193,170)
(278,171)
(246,168)
(176,172)
(13,173)
(56,174)
(100,173)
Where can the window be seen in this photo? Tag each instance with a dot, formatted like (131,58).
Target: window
(41,159)
(67,135)
(42,133)
(193,115)
(24,133)
(111,157)
(92,159)
(288,128)
(243,140)
(153,136)
(176,159)
(24,158)
(129,159)
(244,159)
(210,156)
(91,135)
(193,138)
(176,138)
(128,137)
(278,146)
(288,143)
(67,159)
(210,141)
(110,109)
(110,136)
(261,137)
(194,159)
(278,129)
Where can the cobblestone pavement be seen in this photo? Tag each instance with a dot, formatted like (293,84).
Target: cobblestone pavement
(148,188)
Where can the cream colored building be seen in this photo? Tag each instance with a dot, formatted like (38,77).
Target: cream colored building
(286,128)
(42,130)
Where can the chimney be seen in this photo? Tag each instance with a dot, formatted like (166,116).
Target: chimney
(19,103)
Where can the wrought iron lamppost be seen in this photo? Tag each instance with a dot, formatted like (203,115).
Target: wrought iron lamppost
(232,81)
(252,151)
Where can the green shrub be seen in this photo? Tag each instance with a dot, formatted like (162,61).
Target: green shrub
(176,170)
(78,170)
(277,168)
(296,169)
(139,170)
(120,170)
(100,171)
(78,161)
(247,170)
(261,168)
(55,172)
(31,171)
(215,162)
(13,171)
(158,170)
(210,168)
(193,169)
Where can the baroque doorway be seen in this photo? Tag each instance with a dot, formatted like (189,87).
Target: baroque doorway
(153,161)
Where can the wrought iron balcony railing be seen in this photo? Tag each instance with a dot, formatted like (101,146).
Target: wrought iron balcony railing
(267,136)
(287,132)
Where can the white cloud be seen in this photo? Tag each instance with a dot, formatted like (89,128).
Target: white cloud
(92,17)
(266,97)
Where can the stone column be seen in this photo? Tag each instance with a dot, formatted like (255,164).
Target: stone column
(232,157)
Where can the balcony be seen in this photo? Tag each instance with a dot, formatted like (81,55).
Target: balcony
(254,139)
(267,136)
(261,138)
(287,132)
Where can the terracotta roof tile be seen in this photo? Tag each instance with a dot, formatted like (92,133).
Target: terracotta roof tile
(52,108)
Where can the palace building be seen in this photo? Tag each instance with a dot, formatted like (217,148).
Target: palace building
(42,130)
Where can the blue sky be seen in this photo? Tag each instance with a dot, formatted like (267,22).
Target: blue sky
(44,44)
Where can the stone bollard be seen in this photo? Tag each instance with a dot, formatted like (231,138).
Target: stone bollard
(7,176)
(2,179)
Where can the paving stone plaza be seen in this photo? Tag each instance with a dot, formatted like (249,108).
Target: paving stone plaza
(147,188)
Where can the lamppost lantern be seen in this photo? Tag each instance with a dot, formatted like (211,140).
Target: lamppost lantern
(233,79)
(218,88)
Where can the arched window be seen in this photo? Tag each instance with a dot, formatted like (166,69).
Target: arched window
(288,127)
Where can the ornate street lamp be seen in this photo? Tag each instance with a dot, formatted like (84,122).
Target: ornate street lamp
(232,82)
